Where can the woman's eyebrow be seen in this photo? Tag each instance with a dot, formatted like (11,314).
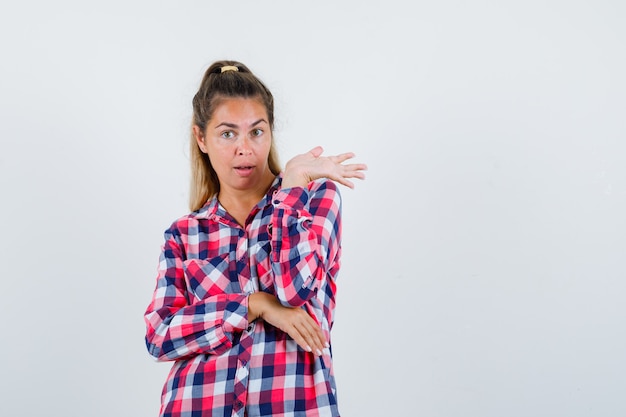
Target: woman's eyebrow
(259,121)
(233,125)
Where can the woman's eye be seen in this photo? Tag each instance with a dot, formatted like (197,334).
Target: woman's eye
(257,132)
(228,134)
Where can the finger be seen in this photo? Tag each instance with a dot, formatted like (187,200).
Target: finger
(300,340)
(343,181)
(317,338)
(312,333)
(342,157)
(358,167)
(317,151)
(306,340)
(343,178)
(353,171)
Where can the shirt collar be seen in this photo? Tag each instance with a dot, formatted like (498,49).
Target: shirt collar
(213,208)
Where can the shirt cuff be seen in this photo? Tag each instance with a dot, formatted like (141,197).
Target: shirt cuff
(294,197)
(236,315)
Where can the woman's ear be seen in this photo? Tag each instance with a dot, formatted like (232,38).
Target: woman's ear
(199,135)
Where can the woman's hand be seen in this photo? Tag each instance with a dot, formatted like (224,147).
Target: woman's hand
(302,169)
(292,320)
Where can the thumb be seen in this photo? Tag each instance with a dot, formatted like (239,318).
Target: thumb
(317,151)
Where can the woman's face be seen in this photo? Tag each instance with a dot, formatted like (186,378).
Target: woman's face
(237,140)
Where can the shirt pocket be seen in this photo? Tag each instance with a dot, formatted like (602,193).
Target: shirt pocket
(206,278)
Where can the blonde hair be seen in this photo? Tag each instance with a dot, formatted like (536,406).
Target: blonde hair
(216,85)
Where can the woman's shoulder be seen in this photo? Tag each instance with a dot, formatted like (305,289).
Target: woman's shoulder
(188,223)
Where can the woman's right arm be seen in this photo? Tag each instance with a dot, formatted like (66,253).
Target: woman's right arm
(294,321)
(176,329)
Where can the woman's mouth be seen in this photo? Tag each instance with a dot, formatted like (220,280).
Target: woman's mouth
(244,170)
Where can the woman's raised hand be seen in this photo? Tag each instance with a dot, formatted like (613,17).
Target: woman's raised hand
(304,168)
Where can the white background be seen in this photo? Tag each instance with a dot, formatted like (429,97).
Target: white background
(484,256)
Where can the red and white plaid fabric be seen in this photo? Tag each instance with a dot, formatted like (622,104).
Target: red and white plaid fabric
(223,364)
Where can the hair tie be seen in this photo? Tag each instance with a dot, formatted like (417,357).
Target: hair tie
(229,68)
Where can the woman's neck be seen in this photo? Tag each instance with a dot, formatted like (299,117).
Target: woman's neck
(239,203)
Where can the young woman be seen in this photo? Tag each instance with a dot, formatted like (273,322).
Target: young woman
(245,293)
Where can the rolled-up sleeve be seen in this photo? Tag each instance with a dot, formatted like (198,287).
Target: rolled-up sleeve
(306,233)
(177,325)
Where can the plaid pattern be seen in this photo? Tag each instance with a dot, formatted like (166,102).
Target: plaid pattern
(224,365)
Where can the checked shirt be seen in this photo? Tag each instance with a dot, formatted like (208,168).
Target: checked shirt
(225,365)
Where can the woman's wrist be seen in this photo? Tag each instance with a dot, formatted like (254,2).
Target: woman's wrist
(257,303)
(291,180)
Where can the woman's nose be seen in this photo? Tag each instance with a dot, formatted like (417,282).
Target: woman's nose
(244,148)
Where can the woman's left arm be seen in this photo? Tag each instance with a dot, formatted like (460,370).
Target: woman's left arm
(306,240)
(306,235)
